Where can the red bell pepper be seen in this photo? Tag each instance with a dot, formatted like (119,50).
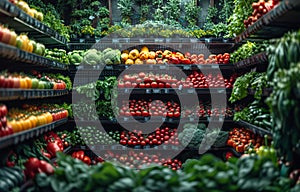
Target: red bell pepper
(31,167)
(52,148)
(45,167)
(228,155)
(34,165)
(87,160)
(174,60)
(48,155)
(11,159)
(185,61)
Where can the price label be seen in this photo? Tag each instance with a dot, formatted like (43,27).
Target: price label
(187,67)
(162,67)
(115,40)
(215,66)
(166,91)
(148,91)
(108,67)
(221,91)
(156,90)
(190,91)
(126,90)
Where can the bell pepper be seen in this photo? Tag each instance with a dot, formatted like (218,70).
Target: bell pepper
(87,160)
(185,61)
(44,153)
(34,165)
(31,167)
(228,155)
(174,60)
(52,148)
(45,167)
(159,54)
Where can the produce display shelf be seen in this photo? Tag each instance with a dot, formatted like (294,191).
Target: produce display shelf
(251,62)
(21,22)
(15,54)
(257,130)
(121,67)
(203,91)
(265,92)
(13,94)
(137,40)
(209,45)
(169,147)
(275,23)
(155,119)
(19,137)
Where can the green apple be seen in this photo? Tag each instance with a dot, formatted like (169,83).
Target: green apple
(41,85)
(35,83)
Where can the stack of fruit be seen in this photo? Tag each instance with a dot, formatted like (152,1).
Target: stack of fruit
(194,80)
(30,11)
(21,41)
(144,56)
(139,160)
(143,108)
(33,116)
(240,139)
(5,128)
(23,81)
(260,8)
(59,55)
(160,136)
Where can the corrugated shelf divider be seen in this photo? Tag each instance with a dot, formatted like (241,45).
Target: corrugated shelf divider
(13,94)
(19,137)
(13,53)
(268,25)
(252,61)
(119,147)
(174,91)
(125,119)
(18,17)
(257,130)
(121,67)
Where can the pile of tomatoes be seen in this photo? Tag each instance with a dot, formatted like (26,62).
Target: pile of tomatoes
(148,108)
(159,136)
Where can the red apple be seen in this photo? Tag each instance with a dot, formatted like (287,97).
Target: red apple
(3,110)
(6,35)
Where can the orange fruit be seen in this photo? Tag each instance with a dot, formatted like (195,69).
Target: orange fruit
(29,82)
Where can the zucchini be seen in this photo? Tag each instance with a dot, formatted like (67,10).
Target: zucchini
(3,186)
(6,174)
(8,182)
(17,172)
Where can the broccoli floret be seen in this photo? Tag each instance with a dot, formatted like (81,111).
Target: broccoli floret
(106,50)
(201,126)
(191,137)
(76,58)
(189,163)
(112,56)
(92,57)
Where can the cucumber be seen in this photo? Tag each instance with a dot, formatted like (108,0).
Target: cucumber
(17,173)
(8,181)
(6,174)
(3,186)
